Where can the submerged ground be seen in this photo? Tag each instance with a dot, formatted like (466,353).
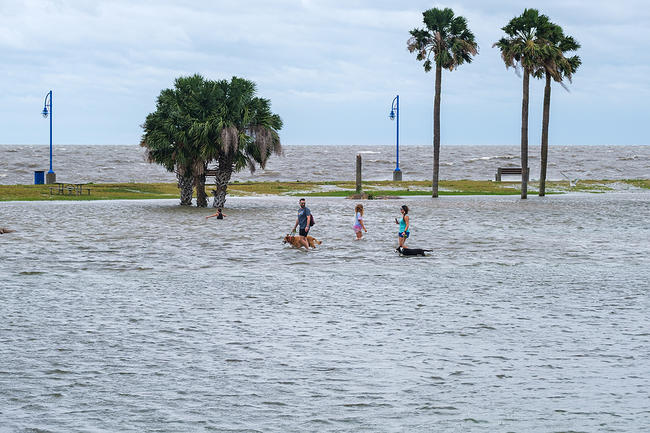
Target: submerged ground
(529,315)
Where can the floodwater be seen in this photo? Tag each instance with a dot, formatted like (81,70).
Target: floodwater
(137,316)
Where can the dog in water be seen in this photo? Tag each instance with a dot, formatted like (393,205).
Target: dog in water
(295,241)
(411,251)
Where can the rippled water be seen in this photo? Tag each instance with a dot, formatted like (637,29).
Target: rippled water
(318,163)
(143,316)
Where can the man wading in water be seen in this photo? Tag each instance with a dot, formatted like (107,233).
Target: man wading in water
(304,220)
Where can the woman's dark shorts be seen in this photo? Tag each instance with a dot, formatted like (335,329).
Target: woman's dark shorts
(303,232)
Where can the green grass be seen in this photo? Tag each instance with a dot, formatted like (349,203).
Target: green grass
(639,183)
(99,191)
(127,191)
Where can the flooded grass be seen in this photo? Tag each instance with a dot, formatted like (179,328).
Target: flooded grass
(127,191)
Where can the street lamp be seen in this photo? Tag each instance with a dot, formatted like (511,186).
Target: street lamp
(394,112)
(51,176)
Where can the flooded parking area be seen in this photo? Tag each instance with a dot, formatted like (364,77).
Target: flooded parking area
(143,316)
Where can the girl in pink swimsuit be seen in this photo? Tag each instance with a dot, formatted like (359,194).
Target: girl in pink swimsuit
(358,221)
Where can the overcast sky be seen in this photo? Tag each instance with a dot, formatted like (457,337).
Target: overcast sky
(330,68)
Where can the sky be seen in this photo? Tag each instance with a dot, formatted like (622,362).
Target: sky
(330,68)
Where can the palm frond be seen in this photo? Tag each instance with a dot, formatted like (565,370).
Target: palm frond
(229,139)
(446,37)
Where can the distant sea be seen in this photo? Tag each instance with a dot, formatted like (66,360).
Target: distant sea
(127,163)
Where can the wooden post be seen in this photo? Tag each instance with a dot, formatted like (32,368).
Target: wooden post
(358,174)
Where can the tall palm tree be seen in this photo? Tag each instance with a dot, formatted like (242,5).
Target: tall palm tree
(525,46)
(248,136)
(557,68)
(451,43)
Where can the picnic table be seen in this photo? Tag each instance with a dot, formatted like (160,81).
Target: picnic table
(69,188)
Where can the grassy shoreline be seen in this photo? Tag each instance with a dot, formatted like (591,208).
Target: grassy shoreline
(375,189)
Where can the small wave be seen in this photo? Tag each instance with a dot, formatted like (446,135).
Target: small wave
(57,371)
(433,407)
(475,421)
(489,158)
(359,405)
(367,151)
(274,403)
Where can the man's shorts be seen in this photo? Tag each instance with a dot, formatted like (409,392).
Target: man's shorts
(303,232)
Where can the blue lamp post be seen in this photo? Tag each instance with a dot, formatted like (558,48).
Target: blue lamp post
(394,112)
(51,176)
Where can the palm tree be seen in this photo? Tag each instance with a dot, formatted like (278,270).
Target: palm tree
(202,121)
(452,44)
(525,47)
(166,137)
(556,68)
(249,133)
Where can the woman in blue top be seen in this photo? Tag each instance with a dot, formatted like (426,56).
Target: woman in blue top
(404,232)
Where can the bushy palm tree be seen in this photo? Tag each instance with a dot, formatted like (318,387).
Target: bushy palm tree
(170,138)
(558,67)
(202,121)
(248,135)
(526,46)
(451,44)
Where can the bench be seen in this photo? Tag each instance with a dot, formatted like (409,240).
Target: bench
(509,170)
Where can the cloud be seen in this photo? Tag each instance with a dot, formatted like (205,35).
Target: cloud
(108,60)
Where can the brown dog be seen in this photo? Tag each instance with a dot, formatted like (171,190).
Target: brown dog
(295,241)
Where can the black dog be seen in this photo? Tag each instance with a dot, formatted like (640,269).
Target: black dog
(412,251)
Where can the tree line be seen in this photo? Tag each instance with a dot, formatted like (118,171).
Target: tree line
(532,44)
(201,122)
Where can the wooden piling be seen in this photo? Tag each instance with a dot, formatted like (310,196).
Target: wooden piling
(359,174)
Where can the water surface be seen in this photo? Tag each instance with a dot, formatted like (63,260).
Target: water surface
(141,316)
(100,163)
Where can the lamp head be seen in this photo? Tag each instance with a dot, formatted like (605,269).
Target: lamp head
(44,112)
(392,115)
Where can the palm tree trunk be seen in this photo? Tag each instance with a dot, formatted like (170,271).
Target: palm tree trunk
(436,133)
(186,186)
(524,136)
(224,172)
(201,197)
(545,121)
